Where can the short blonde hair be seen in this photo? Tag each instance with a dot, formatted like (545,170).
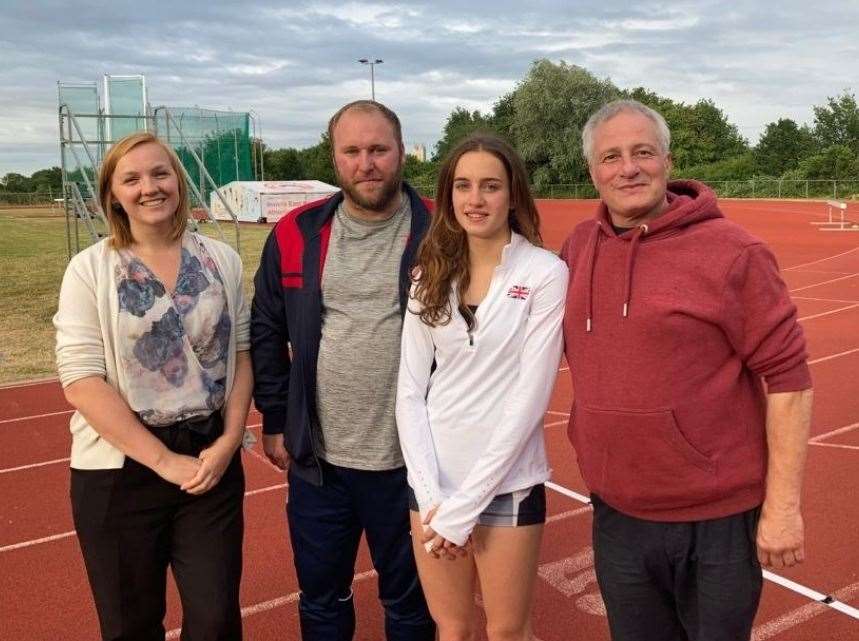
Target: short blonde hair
(120,228)
(612,109)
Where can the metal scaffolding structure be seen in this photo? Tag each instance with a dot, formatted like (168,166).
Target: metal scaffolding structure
(214,147)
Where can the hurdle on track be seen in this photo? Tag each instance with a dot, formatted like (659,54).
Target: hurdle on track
(836,224)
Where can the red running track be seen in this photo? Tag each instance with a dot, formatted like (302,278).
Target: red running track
(43,589)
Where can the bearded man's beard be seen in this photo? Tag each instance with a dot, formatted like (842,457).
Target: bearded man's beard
(379,201)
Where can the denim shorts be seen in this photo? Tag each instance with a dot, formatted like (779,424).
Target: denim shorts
(521,507)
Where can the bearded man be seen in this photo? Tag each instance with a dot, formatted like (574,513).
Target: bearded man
(331,291)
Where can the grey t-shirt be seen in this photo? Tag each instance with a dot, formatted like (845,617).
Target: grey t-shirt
(359,353)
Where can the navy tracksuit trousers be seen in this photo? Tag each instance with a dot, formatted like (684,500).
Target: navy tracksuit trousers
(325,527)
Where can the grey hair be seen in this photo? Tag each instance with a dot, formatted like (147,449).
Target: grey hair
(612,109)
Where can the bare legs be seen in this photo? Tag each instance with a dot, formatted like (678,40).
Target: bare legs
(504,560)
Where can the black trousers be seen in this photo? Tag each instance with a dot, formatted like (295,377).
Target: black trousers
(690,581)
(325,527)
(132,524)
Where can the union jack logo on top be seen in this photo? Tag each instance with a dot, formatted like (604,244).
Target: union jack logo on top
(519,292)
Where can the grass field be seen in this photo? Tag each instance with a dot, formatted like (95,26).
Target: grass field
(33,257)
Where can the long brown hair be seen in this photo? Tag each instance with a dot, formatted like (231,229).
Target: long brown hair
(443,254)
(120,229)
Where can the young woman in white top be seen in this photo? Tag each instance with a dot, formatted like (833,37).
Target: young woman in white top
(152,352)
(480,351)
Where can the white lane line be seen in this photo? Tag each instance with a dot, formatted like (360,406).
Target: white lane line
(821,271)
(64,535)
(814,595)
(555,423)
(838,604)
(34,416)
(824,300)
(795,617)
(560,489)
(44,539)
(561,516)
(820,260)
(832,311)
(564,369)
(825,282)
(33,383)
(836,445)
(262,459)
(831,356)
(553,412)
(836,432)
(32,465)
(262,490)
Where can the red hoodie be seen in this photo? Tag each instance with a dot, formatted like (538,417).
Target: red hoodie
(669,330)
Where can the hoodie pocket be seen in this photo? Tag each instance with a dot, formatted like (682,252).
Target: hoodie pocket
(640,460)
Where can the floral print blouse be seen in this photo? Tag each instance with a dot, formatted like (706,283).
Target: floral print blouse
(173,345)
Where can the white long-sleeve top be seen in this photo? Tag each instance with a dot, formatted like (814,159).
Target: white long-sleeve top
(473,428)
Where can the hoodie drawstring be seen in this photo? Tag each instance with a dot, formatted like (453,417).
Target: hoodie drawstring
(593,241)
(630,261)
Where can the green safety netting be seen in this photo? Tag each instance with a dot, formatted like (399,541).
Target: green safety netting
(222,139)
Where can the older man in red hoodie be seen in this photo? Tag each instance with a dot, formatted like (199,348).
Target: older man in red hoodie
(693,395)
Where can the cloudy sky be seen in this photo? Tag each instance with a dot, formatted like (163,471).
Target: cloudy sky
(294,62)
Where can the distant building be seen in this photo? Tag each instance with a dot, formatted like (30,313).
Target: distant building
(418,151)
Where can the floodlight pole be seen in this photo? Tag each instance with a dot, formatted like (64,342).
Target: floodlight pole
(372,64)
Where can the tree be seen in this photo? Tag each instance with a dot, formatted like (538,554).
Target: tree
(834,162)
(13,182)
(284,164)
(503,112)
(460,123)
(47,180)
(700,133)
(550,107)
(421,175)
(782,146)
(740,167)
(837,122)
(317,163)
(704,135)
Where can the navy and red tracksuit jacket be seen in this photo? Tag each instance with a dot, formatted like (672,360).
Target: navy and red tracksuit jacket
(286,322)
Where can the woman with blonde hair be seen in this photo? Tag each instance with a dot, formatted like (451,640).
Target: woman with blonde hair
(480,351)
(152,352)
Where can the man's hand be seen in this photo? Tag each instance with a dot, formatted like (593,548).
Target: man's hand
(781,538)
(272,445)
